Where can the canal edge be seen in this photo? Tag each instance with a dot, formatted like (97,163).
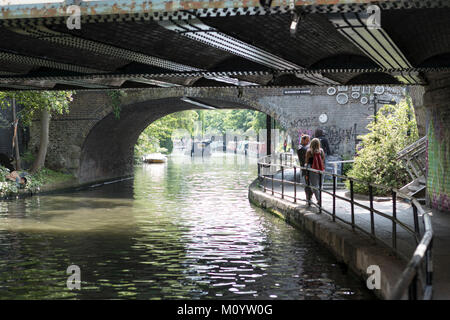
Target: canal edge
(355,250)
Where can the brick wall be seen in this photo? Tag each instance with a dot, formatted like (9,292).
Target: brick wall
(437,101)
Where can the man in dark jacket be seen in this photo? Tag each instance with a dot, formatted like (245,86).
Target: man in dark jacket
(301,152)
(323,141)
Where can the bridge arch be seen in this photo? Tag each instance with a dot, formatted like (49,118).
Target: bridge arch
(108,147)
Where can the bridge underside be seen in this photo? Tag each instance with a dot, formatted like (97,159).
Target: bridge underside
(231,43)
(332,44)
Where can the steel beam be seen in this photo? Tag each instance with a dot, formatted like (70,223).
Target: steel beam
(43,33)
(33,61)
(50,9)
(196,30)
(375,43)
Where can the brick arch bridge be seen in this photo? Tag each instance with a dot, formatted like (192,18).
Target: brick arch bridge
(94,145)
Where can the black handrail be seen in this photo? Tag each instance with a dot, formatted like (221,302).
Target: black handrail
(423,252)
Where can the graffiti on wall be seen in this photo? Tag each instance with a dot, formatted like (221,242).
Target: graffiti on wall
(305,122)
(336,136)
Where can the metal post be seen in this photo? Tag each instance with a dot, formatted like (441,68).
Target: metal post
(416,220)
(394,219)
(372,222)
(264,182)
(352,204)
(320,191)
(282,182)
(295,185)
(272,184)
(334,198)
(224,146)
(412,291)
(429,264)
(375,108)
(259,170)
(269,135)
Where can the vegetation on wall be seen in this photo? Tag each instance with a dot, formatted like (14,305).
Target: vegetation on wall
(394,129)
(116,96)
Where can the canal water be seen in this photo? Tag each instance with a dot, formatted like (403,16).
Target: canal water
(180,230)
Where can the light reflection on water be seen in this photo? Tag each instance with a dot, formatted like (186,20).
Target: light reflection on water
(184,229)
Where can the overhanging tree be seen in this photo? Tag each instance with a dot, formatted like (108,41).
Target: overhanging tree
(43,102)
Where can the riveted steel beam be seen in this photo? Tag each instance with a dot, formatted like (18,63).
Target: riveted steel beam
(375,43)
(132,10)
(67,40)
(43,33)
(197,74)
(196,30)
(40,62)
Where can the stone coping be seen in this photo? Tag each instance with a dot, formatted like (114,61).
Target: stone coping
(352,248)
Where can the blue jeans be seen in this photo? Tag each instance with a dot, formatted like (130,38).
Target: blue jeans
(315,181)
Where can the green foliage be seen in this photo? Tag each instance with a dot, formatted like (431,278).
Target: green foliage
(158,136)
(375,161)
(347,166)
(116,96)
(237,120)
(47,176)
(6,186)
(34,182)
(36,101)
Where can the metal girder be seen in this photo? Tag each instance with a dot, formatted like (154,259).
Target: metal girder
(196,30)
(153,82)
(375,43)
(132,76)
(138,10)
(43,33)
(93,84)
(33,61)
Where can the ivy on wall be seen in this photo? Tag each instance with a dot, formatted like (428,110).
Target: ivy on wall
(116,100)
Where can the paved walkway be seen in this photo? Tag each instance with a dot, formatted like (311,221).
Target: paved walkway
(383,227)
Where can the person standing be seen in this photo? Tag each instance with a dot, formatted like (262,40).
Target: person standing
(301,153)
(315,159)
(323,141)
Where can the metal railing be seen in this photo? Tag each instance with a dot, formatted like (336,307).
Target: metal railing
(414,157)
(419,267)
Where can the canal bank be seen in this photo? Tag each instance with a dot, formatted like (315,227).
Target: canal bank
(356,250)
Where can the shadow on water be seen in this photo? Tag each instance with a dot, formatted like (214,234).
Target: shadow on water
(180,230)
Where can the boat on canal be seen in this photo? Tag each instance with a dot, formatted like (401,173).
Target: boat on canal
(154,158)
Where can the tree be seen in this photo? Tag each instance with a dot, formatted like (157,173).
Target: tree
(159,134)
(375,162)
(43,102)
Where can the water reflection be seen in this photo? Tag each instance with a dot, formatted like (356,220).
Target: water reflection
(184,229)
